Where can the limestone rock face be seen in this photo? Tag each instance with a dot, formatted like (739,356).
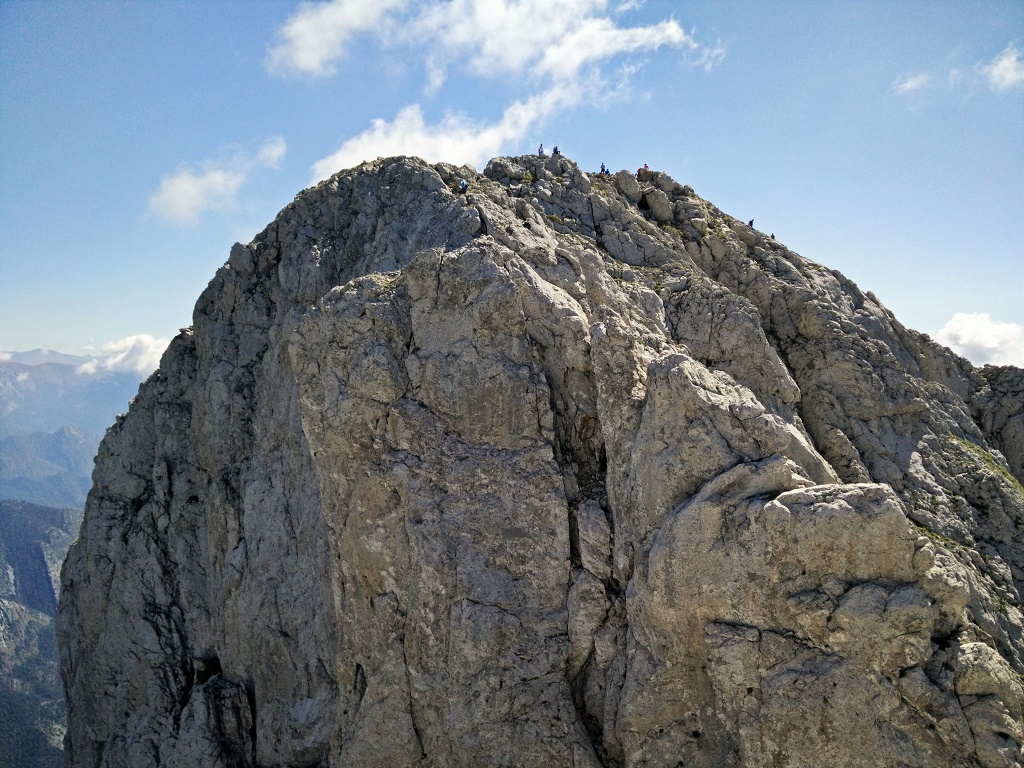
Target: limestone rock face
(565,471)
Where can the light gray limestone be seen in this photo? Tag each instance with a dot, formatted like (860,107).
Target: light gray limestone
(531,476)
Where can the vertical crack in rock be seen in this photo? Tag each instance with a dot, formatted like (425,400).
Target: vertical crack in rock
(570,470)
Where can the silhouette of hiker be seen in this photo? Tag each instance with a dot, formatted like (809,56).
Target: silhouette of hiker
(540,151)
(555,151)
(750,223)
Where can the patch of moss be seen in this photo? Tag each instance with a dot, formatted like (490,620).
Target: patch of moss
(938,538)
(1002,606)
(988,461)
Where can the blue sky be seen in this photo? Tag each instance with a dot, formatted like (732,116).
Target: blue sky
(141,139)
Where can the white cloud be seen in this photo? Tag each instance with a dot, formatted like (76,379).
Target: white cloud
(709,58)
(455,138)
(912,83)
(1006,70)
(184,196)
(535,37)
(271,152)
(559,50)
(982,340)
(137,354)
(315,36)
(5,356)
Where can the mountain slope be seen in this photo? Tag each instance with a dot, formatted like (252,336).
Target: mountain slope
(569,470)
(49,469)
(33,542)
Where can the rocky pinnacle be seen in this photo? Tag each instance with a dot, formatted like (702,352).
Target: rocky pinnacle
(567,470)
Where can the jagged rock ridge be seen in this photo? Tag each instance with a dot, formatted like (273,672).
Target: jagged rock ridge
(570,470)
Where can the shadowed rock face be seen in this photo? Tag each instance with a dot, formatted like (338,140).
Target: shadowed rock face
(568,471)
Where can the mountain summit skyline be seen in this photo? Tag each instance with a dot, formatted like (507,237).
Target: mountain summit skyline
(884,137)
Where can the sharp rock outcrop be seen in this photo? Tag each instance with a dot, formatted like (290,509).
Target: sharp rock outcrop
(569,470)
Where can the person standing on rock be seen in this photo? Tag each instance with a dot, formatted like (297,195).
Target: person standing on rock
(540,151)
(555,151)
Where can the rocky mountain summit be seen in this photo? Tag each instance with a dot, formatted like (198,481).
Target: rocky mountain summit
(570,470)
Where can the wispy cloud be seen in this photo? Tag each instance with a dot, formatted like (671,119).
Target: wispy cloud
(455,137)
(316,35)
(135,354)
(558,50)
(982,340)
(271,153)
(1003,72)
(1006,70)
(185,195)
(710,57)
(912,83)
(493,38)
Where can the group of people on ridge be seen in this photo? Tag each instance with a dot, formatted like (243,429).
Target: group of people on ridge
(645,171)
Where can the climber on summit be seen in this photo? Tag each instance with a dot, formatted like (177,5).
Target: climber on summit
(555,151)
(603,169)
(750,223)
(540,151)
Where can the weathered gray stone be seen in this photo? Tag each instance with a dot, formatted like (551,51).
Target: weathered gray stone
(660,205)
(628,186)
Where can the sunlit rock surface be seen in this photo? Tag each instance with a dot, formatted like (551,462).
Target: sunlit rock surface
(570,470)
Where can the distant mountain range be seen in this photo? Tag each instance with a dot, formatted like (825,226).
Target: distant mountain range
(54,409)
(51,468)
(43,356)
(42,391)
